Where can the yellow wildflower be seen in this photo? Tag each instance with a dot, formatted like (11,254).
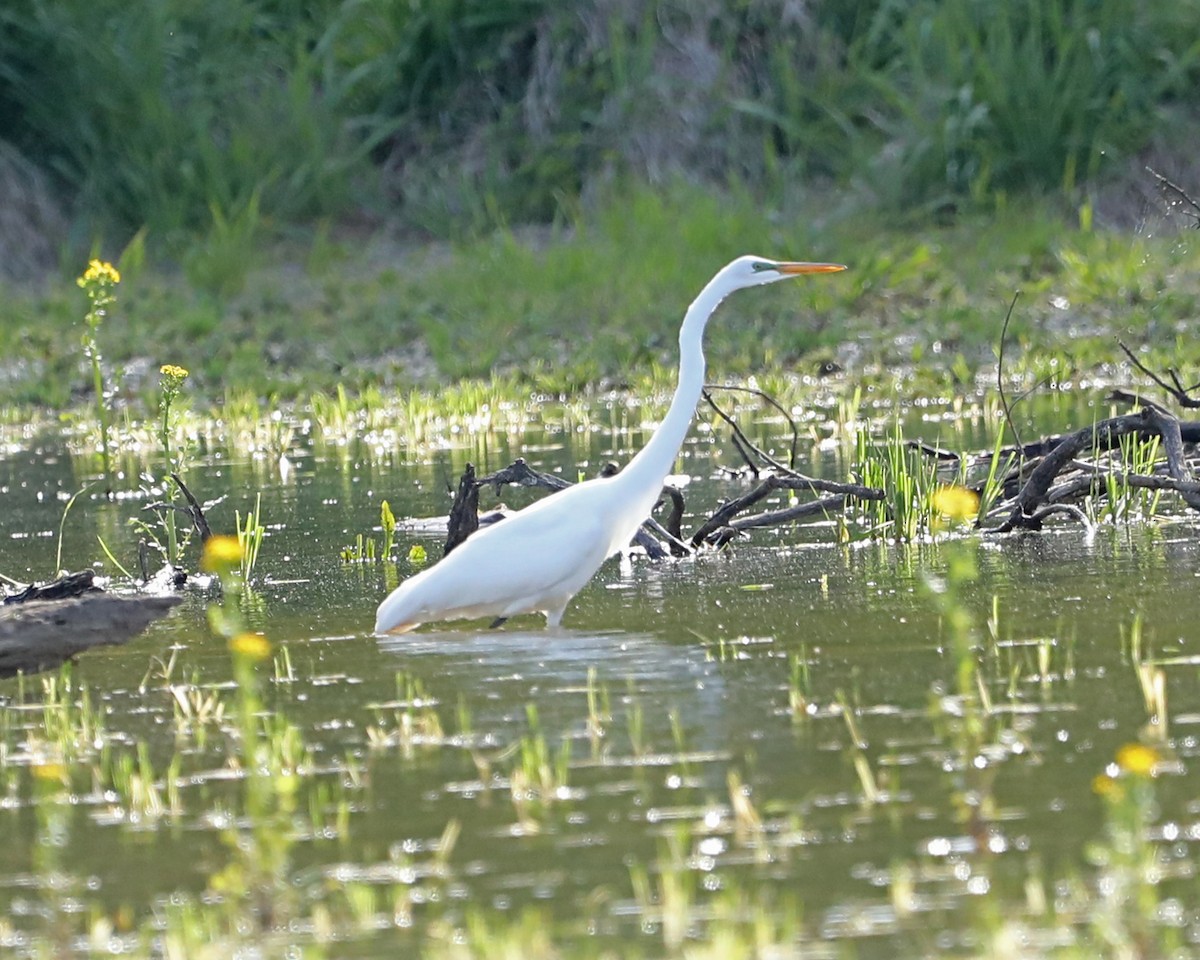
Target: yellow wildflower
(252,646)
(49,771)
(955,502)
(100,273)
(221,554)
(171,372)
(1137,759)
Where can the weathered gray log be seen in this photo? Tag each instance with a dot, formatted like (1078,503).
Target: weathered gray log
(41,634)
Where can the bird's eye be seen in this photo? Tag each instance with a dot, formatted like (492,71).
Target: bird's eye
(759,266)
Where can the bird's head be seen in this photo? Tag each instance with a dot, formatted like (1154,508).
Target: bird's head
(754,271)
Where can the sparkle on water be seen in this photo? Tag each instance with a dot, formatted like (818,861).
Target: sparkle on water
(770,744)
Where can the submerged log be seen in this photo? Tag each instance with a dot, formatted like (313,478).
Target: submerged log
(41,634)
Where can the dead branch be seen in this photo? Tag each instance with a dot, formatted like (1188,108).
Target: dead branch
(1103,436)
(195,511)
(1167,425)
(1008,417)
(801,511)
(464,511)
(1180,393)
(770,401)
(1181,196)
(67,585)
(724,514)
(1040,486)
(936,453)
(743,443)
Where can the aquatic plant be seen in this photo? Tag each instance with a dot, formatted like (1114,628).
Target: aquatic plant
(539,778)
(908,481)
(1124,916)
(361,551)
(410,720)
(388,521)
(171,380)
(250,531)
(364,549)
(98,281)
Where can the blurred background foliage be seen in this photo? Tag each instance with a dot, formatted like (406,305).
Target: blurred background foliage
(202,125)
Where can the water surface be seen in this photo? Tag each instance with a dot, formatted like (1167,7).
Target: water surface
(775,734)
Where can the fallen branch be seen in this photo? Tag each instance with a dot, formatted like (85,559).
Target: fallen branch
(724,514)
(42,634)
(68,585)
(1104,436)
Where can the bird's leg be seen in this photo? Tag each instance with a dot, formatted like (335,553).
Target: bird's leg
(497,623)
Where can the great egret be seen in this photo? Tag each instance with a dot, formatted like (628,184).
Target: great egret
(538,558)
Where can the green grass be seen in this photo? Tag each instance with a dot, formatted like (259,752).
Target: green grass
(201,133)
(561,311)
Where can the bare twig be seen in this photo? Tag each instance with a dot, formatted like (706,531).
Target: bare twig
(521,474)
(1129,398)
(195,511)
(1008,417)
(1035,519)
(1167,186)
(937,453)
(770,401)
(743,442)
(1180,393)
(802,511)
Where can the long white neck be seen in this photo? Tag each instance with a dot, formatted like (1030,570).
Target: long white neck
(644,475)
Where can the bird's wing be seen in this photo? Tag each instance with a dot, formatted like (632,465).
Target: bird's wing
(537,559)
(535,553)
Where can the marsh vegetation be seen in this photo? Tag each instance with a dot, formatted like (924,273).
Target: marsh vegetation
(339,253)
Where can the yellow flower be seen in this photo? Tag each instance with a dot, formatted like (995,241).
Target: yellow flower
(1136,759)
(172,372)
(221,554)
(49,771)
(100,273)
(955,502)
(252,646)
(1105,786)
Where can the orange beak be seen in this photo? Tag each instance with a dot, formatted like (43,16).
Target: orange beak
(810,267)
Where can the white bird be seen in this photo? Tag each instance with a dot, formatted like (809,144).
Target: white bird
(537,559)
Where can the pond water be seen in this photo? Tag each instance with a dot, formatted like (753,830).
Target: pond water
(794,747)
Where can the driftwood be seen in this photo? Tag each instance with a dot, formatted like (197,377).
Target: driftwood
(47,624)
(68,585)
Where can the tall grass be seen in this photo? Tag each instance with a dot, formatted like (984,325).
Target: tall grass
(979,97)
(463,114)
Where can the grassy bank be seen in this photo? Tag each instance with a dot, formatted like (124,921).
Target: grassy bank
(394,196)
(598,300)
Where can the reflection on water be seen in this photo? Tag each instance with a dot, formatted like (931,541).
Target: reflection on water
(773,738)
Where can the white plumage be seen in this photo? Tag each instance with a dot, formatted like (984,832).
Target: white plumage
(537,559)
